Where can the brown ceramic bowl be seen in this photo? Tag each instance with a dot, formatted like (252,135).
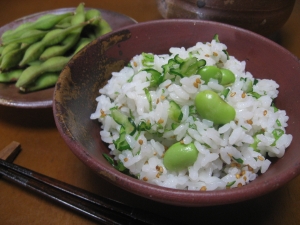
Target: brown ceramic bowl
(79,82)
(264,16)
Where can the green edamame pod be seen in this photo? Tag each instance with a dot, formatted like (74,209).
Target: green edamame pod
(43,23)
(211,106)
(104,28)
(10,47)
(58,50)
(20,27)
(28,37)
(10,76)
(54,64)
(180,156)
(12,58)
(81,44)
(51,38)
(44,81)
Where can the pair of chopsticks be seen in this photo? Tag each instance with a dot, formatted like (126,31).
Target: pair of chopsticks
(103,210)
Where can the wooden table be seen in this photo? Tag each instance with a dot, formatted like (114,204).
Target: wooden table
(44,151)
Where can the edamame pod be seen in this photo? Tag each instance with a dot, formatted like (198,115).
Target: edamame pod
(211,106)
(57,50)
(28,37)
(81,44)
(10,76)
(43,23)
(10,47)
(12,58)
(51,38)
(44,81)
(54,64)
(180,156)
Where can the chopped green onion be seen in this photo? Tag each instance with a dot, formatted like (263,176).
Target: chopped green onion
(278,123)
(148,59)
(277,133)
(148,96)
(229,184)
(239,160)
(156,77)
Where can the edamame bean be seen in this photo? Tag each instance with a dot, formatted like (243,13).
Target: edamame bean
(12,58)
(10,47)
(210,72)
(81,44)
(28,37)
(51,38)
(57,50)
(30,74)
(43,23)
(211,106)
(44,81)
(180,156)
(228,77)
(10,76)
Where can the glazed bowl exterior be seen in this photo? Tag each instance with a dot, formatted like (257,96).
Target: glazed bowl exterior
(264,17)
(80,81)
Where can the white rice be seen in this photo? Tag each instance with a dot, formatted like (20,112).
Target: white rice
(219,147)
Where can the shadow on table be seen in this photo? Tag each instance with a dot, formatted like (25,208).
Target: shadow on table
(27,117)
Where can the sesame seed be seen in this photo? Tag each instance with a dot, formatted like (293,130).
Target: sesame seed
(141,141)
(232,94)
(135,64)
(195,84)
(265,112)
(103,114)
(160,121)
(125,159)
(249,122)
(239,185)
(157,175)
(261,158)
(162,97)
(243,95)
(203,188)
(237,176)
(154,153)
(245,178)
(157,101)
(145,179)
(215,54)
(206,55)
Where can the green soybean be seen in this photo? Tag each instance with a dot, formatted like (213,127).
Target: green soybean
(28,37)
(51,38)
(57,50)
(30,74)
(81,44)
(10,47)
(210,72)
(10,76)
(180,156)
(228,76)
(12,58)
(42,23)
(44,81)
(211,106)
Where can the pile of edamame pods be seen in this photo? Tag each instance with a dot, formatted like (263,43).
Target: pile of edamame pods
(33,54)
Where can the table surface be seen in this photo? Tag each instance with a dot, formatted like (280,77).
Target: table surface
(44,151)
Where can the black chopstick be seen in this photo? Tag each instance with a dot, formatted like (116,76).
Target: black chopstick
(103,210)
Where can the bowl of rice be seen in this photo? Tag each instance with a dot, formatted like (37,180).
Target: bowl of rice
(184,112)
